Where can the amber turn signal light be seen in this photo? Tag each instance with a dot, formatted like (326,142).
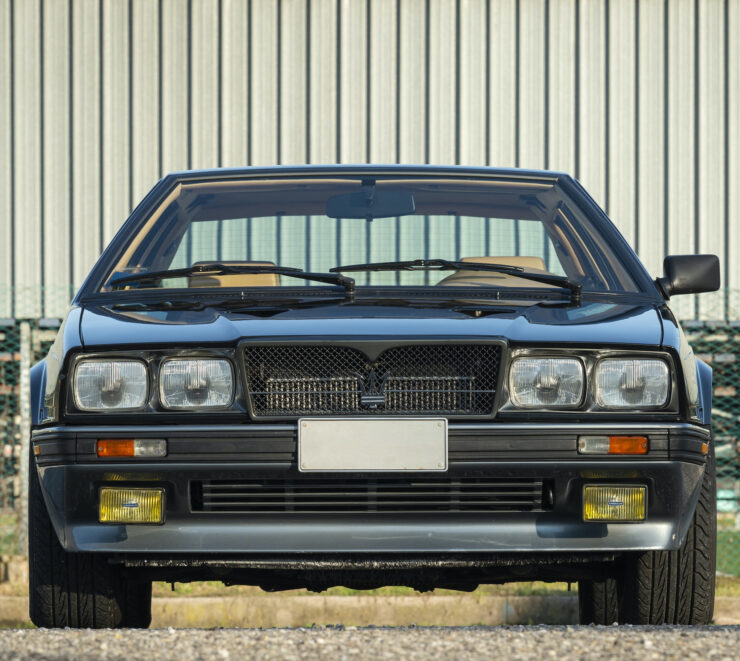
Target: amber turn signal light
(628,445)
(612,445)
(132,447)
(116,447)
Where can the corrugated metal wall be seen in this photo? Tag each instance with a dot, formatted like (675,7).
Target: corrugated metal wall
(640,100)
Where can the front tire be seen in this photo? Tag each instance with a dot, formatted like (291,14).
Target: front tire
(662,587)
(677,587)
(77,590)
(597,602)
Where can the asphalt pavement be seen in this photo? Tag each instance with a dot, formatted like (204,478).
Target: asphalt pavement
(540,643)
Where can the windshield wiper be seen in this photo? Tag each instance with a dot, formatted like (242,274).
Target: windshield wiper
(447,265)
(117,280)
(158,305)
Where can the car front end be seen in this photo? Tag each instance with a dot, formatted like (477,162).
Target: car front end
(512,421)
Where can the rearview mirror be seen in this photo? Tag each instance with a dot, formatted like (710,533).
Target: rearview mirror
(689,274)
(370,204)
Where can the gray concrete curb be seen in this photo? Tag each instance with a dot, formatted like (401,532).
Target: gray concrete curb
(277,611)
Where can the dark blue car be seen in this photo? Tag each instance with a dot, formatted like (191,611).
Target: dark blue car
(301,377)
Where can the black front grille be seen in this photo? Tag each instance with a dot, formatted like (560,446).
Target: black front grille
(394,494)
(432,379)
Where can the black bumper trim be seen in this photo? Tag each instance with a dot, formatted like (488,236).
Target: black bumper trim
(277,443)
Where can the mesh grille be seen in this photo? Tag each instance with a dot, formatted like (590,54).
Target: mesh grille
(397,494)
(433,379)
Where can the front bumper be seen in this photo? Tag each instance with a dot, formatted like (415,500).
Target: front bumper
(71,475)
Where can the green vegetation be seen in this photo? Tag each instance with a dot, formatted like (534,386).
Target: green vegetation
(216,589)
(8,533)
(727,586)
(728,552)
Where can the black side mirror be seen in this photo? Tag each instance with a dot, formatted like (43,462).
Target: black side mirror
(689,274)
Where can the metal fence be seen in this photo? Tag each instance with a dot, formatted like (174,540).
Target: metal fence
(718,343)
(23,342)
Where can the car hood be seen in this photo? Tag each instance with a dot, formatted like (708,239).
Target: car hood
(595,322)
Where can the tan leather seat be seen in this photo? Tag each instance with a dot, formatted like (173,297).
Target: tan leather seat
(473,278)
(526,262)
(237,279)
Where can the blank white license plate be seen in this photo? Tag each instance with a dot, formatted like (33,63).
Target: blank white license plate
(377,444)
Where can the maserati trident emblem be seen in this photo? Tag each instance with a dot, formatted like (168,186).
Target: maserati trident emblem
(372,390)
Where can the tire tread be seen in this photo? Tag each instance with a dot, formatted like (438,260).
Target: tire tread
(77,590)
(676,587)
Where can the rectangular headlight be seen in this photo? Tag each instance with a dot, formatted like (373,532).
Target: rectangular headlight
(633,383)
(540,382)
(103,385)
(196,383)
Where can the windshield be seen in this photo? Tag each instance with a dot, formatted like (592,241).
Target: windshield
(316,224)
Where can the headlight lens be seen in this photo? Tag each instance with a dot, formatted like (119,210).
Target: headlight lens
(632,383)
(196,383)
(101,385)
(536,382)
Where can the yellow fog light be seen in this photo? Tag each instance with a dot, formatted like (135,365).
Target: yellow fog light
(120,505)
(605,502)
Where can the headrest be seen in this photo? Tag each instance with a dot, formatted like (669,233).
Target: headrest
(526,262)
(473,278)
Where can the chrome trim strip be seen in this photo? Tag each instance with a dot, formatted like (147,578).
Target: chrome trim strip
(165,429)
(576,426)
(477,426)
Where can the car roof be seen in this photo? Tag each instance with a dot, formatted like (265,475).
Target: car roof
(364,168)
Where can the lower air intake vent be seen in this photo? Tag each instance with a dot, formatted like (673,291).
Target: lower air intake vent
(397,494)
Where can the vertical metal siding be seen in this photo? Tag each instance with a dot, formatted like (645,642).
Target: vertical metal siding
(145,101)
(55,260)
(472,84)
(321,87)
(235,83)
(99,99)
(503,67)
(27,156)
(710,181)
(561,81)
(650,182)
(413,81)
(353,81)
(531,84)
(383,83)
(732,143)
(7,153)
(265,78)
(621,90)
(205,81)
(591,119)
(174,70)
(293,82)
(682,136)
(121,103)
(86,153)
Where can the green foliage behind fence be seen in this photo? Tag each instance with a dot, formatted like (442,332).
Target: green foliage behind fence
(718,343)
(10,386)
(10,429)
